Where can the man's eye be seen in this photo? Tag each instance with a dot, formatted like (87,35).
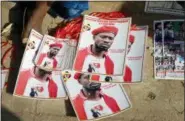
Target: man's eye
(87,77)
(103,37)
(110,38)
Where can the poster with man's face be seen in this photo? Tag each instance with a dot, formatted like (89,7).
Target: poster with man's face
(33,81)
(102,46)
(52,53)
(134,59)
(91,100)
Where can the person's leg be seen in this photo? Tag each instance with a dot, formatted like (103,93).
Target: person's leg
(36,19)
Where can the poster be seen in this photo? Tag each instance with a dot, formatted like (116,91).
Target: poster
(164,7)
(91,100)
(52,53)
(34,81)
(102,46)
(133,71)
(169,49)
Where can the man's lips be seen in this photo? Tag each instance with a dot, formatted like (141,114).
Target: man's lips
(104,46)
(93,86)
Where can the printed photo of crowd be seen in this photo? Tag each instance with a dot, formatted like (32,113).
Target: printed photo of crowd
(173,31)
(173,59)
(173,45)
(169,47)
(158,39)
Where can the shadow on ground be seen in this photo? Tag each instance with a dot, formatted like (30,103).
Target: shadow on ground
(6,115)
(15,17)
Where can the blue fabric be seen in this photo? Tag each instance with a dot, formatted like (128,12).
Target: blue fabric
(82,5)
(70,9)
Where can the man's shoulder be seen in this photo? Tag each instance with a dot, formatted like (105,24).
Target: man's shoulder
(43,54)
(77,98)
(108,58)
(83,51)
(25,71)
(25,74)
(106,97)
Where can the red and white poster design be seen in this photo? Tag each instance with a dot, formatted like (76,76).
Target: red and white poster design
(92,100)
(33,81)
(102,45)
(50,53)
(134,59)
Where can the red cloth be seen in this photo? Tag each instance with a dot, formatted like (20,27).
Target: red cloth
(42,56)
(78,103)
(82,54)
(111,29)
(128,74)
(23,79)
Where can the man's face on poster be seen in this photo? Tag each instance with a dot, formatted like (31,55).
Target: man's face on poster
(91,87)
(84,79)
(31,45)
(103,41)
(54,50)
(42,73)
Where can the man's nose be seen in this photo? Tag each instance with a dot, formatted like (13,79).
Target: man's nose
(55,51)
(106,40)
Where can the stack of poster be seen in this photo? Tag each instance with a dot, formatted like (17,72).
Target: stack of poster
(39,73)
(165,7)
(169,49)
(117,57)
(105,49)
(108,50)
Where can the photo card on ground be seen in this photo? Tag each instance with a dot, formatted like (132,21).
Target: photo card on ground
(51,53)
(133,70)
(169,53)
(102,46)
(92,100)
(34,81)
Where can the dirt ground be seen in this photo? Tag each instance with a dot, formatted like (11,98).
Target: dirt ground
(152,100)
